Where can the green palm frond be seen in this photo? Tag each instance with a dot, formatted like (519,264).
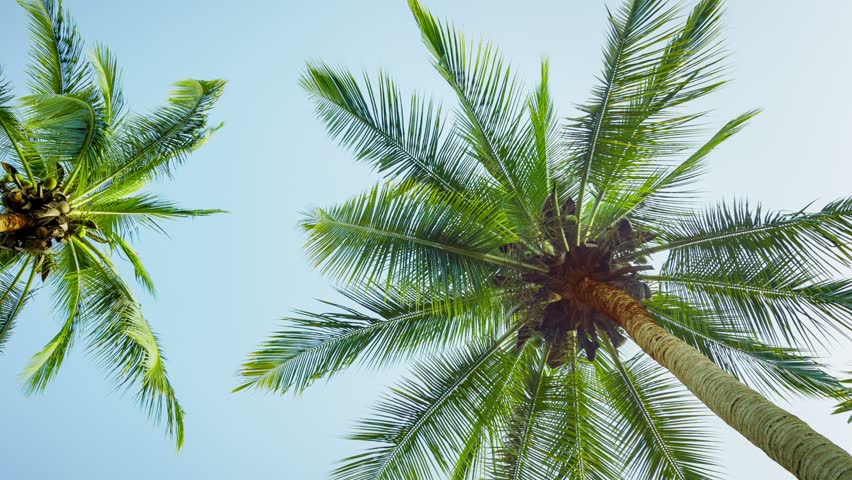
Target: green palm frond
(492,118)
(775,303)
(149,146)
(816,239)
(68,129)
(401,234)
(57,66)
(846,405)
(772,271)
(139,270)
(397,327)
(124,343)
(69,288)
(559,427)
(658,423)
(108,78)
(14,294)
(663,195)
(633,122)
(14,135)
(424,425)
(544,123)
(125,216)
(586,448)
(371,120)
(780,371)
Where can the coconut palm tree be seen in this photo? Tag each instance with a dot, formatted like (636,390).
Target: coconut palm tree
(76,164)
(512,254)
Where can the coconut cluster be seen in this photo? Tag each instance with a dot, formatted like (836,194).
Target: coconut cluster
(46,208)
(609,258)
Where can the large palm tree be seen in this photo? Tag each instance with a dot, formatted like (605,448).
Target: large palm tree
(514,252)
(76,165)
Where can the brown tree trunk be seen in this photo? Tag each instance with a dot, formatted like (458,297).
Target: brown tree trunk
(10,222)
(784,437)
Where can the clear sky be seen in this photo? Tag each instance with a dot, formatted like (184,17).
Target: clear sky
(224,281)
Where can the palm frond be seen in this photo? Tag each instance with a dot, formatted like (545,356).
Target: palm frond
(774,303)
(150,146)
(425,425)
(68,129)
(535,445)
(13,134)
(44,365)
(772,370)
(371,120)
(13,296)
(633,121)
(139,269)
(659,433)
(124,343)
(108,78)
(56,49)
(413,236)
(586,448)
(846,405)
(398,326)
(773,271)
(492,117)
(124,217)
(817,238)
(662,196)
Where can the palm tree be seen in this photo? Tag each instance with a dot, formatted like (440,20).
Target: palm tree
(512,254)
(75,166)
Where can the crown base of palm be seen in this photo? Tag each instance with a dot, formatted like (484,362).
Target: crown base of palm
(560,318)
(36,215)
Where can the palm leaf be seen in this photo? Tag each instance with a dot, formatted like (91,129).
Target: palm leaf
(150,146)
(397,326)
(492,118)
(769,369)
(426,423)
(586,448)
(108,78)
(412,236)
(13,296)
(123,217)
(123,341)
(659,435)
(56,50)
(44,365)
(632,122)
(371,120)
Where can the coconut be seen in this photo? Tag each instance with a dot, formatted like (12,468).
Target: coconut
(41,232)
(81,231)
(7,178)
(50,183)
(15,197)
(64,207)
(35,244)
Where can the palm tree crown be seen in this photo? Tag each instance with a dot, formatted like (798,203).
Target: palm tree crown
(75,164)
(469,256)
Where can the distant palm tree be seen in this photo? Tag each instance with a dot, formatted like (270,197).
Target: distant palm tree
(514,252)
(75,164)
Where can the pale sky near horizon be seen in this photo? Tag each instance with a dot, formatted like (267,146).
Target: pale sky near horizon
(224,281)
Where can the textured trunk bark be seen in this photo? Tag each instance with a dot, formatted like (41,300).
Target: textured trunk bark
(784,437)
(12,221)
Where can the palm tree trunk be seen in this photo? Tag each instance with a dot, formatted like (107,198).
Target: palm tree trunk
(784,437)
(10,222)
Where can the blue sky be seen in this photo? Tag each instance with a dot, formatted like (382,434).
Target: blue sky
(224,281)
